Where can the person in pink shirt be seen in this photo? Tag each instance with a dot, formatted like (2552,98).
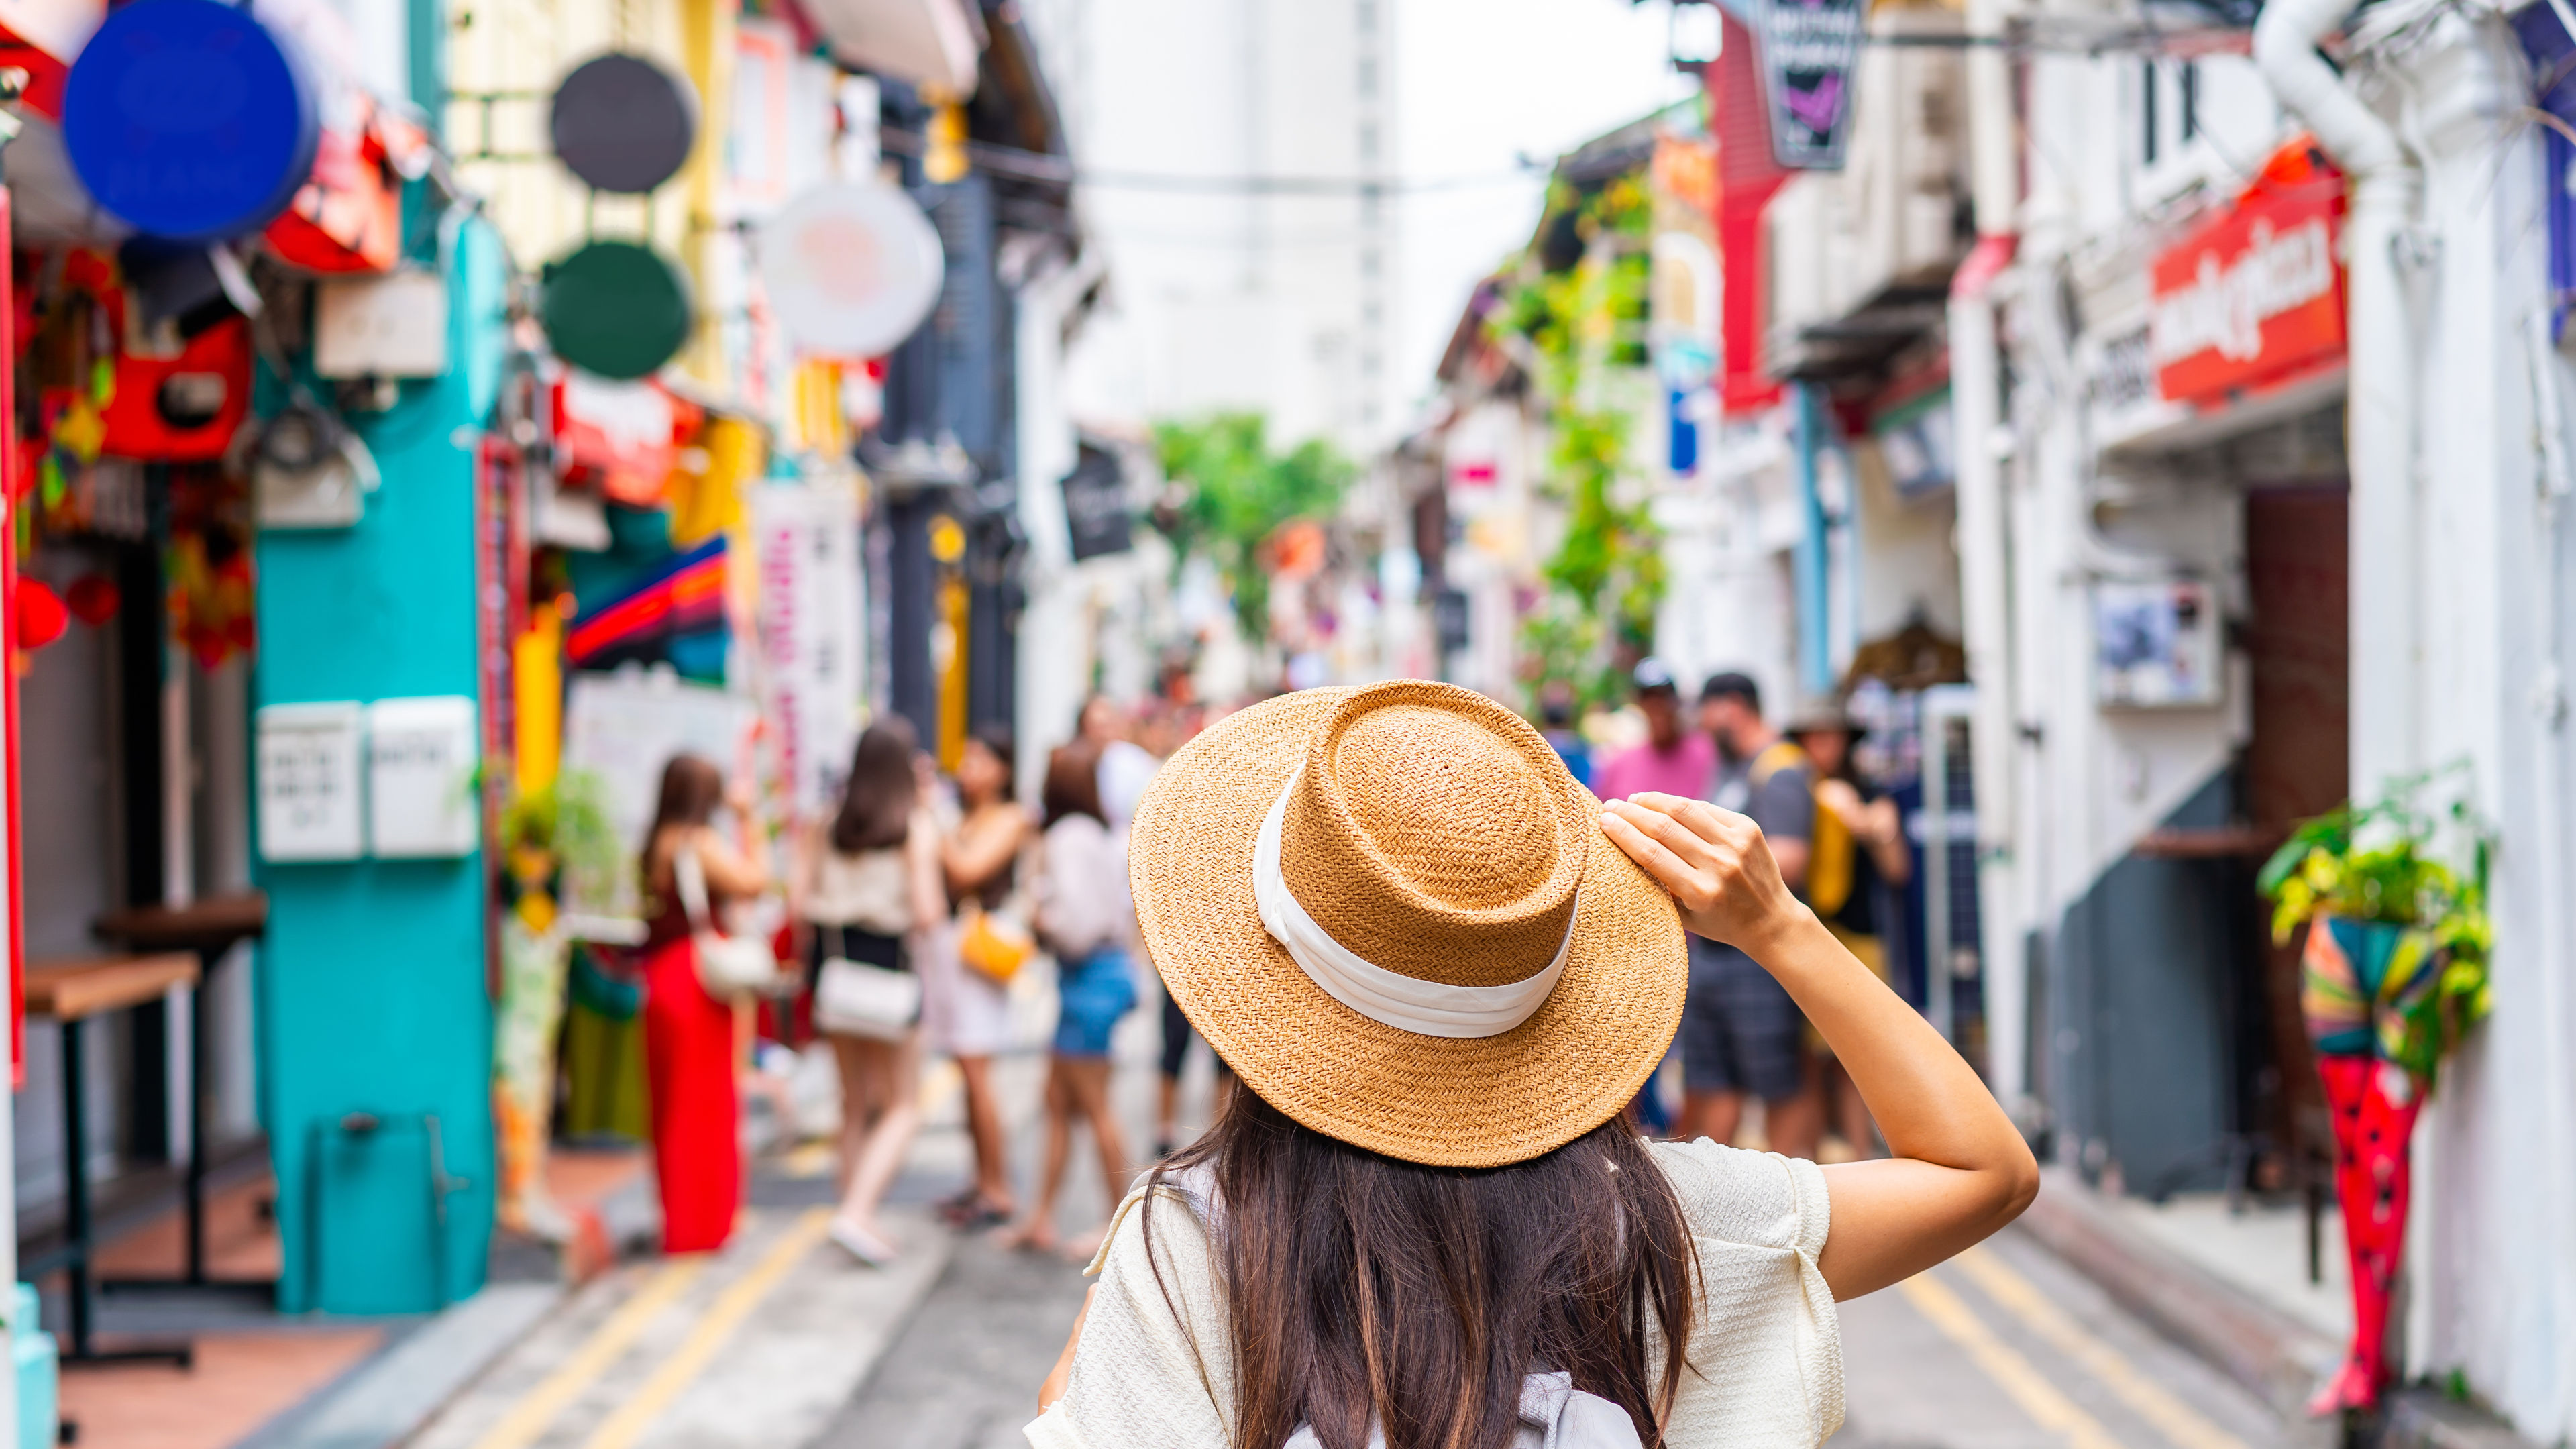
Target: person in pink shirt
(1674,759)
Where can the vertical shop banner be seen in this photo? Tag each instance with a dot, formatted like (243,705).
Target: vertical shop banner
(813,638)
(1810,54)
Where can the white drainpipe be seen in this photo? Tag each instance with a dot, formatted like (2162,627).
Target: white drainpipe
(2387,737)
(1976,402)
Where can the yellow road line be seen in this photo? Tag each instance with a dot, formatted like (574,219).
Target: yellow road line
(809,1159)
(2012,1373)
(2171,1416)
(535,1412)
(699,1349)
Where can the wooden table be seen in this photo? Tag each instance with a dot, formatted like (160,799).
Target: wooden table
(69,993)
(209,927)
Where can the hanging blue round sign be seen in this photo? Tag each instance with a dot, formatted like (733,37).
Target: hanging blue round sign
(190,120)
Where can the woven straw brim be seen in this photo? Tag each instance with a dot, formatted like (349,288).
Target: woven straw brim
(1449,1103)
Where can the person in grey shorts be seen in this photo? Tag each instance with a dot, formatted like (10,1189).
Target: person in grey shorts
(1741,1034)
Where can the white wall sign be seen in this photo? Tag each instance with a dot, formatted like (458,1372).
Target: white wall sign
(813,634)
(309,797)
(624,728)
(421,756)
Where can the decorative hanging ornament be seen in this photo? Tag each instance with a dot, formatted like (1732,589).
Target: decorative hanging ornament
(190,120)
(851,268)
(41,615)
(622,123)
(616,308)
(94,599)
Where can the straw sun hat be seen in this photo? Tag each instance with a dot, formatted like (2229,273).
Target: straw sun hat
(1394,914)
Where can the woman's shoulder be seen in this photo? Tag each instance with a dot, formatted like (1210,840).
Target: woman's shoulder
(1758,1199)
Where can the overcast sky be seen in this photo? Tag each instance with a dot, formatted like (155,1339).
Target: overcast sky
(1483,82)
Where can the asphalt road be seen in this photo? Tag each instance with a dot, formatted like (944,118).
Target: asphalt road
(782,1341)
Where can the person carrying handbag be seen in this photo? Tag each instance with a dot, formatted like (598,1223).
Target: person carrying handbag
(1085,919)
(869,884)
(966,1008)
(689,1051)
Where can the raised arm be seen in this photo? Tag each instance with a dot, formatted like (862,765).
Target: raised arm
(1959,1169)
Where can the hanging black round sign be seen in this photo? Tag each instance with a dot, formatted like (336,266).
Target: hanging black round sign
(615,308)
(622,123)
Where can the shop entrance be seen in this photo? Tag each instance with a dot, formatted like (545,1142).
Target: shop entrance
(2297,643)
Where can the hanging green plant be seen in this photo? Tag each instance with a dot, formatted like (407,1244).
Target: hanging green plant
(1581,322)
(561,833)
(2406,974)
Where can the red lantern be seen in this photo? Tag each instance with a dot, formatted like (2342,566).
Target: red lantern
(41,615)
(94,599)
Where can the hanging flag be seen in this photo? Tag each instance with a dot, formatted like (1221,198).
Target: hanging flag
(683,595)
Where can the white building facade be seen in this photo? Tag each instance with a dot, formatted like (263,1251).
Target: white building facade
(2261,444)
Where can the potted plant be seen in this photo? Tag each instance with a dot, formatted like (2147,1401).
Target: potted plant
(2393,972)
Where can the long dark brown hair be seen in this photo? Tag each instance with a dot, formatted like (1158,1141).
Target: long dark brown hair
(692,788)
(1361,1288)
(1073,782)
(876,804)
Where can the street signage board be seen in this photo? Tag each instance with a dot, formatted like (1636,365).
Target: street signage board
(1810,57)
(1096,514)
(2254,296)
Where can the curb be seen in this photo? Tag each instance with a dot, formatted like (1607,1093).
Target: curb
(2278,1358)
(2424,1419)
(386,1399)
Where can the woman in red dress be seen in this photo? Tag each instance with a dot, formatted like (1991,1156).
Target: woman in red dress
(689,1035)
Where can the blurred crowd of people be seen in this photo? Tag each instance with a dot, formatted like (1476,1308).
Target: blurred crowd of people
(913,908)
(1841,846)
(917,904)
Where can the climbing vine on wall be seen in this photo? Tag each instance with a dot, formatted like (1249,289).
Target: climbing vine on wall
(1575,309)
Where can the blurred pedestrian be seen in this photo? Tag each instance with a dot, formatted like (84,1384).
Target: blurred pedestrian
(689,1046)
(1741,1032)
(870,890)
(1673,759)
(1421,1221)
(966,1005)
(1084,918)
(1556,726)
(1857,857)
(1126,767)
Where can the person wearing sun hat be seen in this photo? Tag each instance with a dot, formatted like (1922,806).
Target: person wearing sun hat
(1439,968)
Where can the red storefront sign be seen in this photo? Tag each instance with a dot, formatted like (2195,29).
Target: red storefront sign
(2255,297)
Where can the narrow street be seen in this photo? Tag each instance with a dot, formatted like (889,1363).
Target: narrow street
(781,1340)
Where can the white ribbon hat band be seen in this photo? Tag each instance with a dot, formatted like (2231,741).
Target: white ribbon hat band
(1426,1008)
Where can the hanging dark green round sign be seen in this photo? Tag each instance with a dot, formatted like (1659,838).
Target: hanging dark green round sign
(615,308)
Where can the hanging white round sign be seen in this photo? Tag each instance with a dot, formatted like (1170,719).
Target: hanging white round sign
(851,268)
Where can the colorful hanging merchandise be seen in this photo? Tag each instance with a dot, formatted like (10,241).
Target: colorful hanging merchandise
(212,592)
(2394,971)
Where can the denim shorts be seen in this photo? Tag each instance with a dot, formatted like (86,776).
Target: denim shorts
(1091,994)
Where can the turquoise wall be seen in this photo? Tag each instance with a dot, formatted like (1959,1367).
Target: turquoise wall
(371,992)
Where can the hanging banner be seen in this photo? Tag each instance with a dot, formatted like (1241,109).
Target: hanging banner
(1810,51)
(813,634)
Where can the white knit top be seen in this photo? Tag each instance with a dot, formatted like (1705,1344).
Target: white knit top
(1766,1355)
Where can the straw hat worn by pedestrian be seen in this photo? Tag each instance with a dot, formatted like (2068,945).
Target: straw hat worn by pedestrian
(1477,976)
(1409,932)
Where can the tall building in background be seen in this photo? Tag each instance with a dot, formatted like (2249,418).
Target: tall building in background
(1241,155)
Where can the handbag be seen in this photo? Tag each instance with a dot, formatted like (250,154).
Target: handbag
(729,967)
(852,998)
(994,943)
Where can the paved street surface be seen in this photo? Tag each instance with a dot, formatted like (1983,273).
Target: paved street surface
(782,1341)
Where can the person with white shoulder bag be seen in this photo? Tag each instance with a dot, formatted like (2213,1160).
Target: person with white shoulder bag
(694,974)
(868,884)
